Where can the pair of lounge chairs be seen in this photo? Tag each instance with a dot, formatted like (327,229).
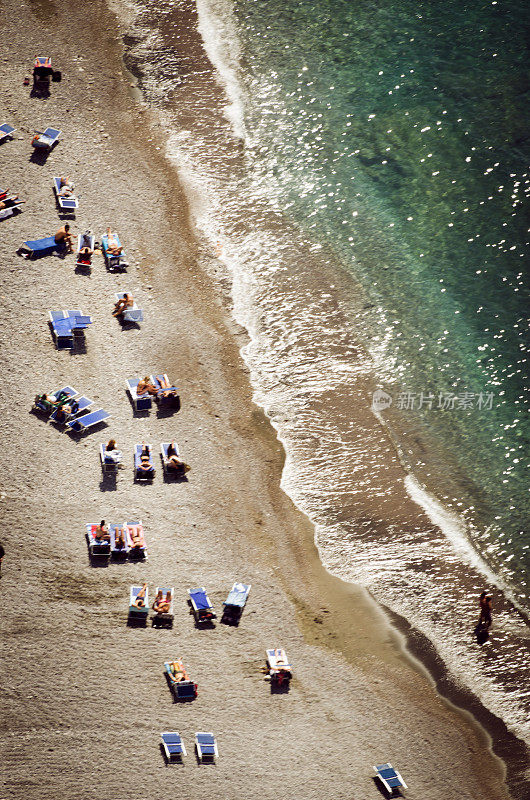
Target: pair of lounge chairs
(139,607)
(46,139)
(67,324)
(182,688)
(166,394)
(66,396)
(174,749)
(124,540)
(67,202)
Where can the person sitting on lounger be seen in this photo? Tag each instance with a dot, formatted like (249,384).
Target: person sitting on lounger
(112,454)
(173,461)
(124,302)
(139,600)
(10,202)
(64,237)
(66,189)
(113,246)
(101,532)
(145,387)
(162,605)
(62,414)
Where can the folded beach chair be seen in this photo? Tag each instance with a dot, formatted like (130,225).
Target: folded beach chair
(86,239)
(179,682)
(113,262)
(81,424)
(6,132)
(109,463)
(64,395)
(69,203)
(65,324)
(47,138)
(235,603)
(163,385)
(140,473)
(206,746)
(163,619)
(173,746)
(138,614)
(201,606)
(280,670)
(117,551)
(136,538)
(42,247)
(390,778)
(12,211)
(132,314)
(78,405)
(96,548)
(142,402)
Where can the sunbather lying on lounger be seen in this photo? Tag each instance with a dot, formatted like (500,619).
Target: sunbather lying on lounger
(101,532)
(66,189)
(113,246)
(145,387)
(124,302)
(177,672)
(145,465)
(174,462)
(119,538)
(162,605)
(10,202)
(63,236)
(166,390)
(139,601)
(4,194)
(137,539)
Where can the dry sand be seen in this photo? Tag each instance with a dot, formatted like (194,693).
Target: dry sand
(84,696)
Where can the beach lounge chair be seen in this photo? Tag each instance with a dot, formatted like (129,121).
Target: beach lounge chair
(6,132)
(201,607)
(86,239)
(63,395)
(113,262)
(82,424)
(77,406)
(132,314)
(140,473)
(42,247)
(109,461)
(172,470)
(119,541)
(12,211)
(166,393)
(46,139)
(182,688)
(138,614)
(173,746)
(280,671)
(96,548)
(66,324)
(235,603)
(206,746)
(390,778)
(163,619)
(136,538)
(69,203)
(43,72)
(140,402)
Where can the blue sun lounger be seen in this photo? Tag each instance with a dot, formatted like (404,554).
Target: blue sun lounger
(173,746)
(67,323)
(43,247)
(86,239)
(66,203)
(206,746)
(143,474)
(96,547)
(390,778)
(132,314)
(235,603)
(141,402)
(82,424)
(112,262)
(163,619)
(6,132)
(115,549)
(109,460)
(78,405)
(138,614)
(201,606)
(47,138)
(66,393)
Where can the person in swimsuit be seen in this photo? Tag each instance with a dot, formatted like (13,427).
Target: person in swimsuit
(139,600)
(101,533)
(9,202)
(136,537)
(127,301)
(63,236)
(113,246)
(162,605)
(145,387)
(173,462)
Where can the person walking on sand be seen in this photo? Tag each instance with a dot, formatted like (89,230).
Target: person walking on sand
(64,237)
(485,610)
(2,554)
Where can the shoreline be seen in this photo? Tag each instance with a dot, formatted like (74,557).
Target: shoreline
(223,380)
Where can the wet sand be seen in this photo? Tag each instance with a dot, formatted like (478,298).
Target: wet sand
(85,697)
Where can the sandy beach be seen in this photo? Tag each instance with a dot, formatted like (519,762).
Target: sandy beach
(85,697)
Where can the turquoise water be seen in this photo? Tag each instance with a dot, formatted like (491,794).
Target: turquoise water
(356,174)
(396,133)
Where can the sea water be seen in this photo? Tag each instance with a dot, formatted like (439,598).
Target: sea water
(359,171)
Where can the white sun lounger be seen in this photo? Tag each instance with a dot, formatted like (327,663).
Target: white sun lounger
(164,620)
(109,463)
(142,402)
(136,550)
(86,239)
(6,132)
(47,139)
(138,614)
(206,746)
(97,549)
(390,777)
(173,745)
(66,203)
